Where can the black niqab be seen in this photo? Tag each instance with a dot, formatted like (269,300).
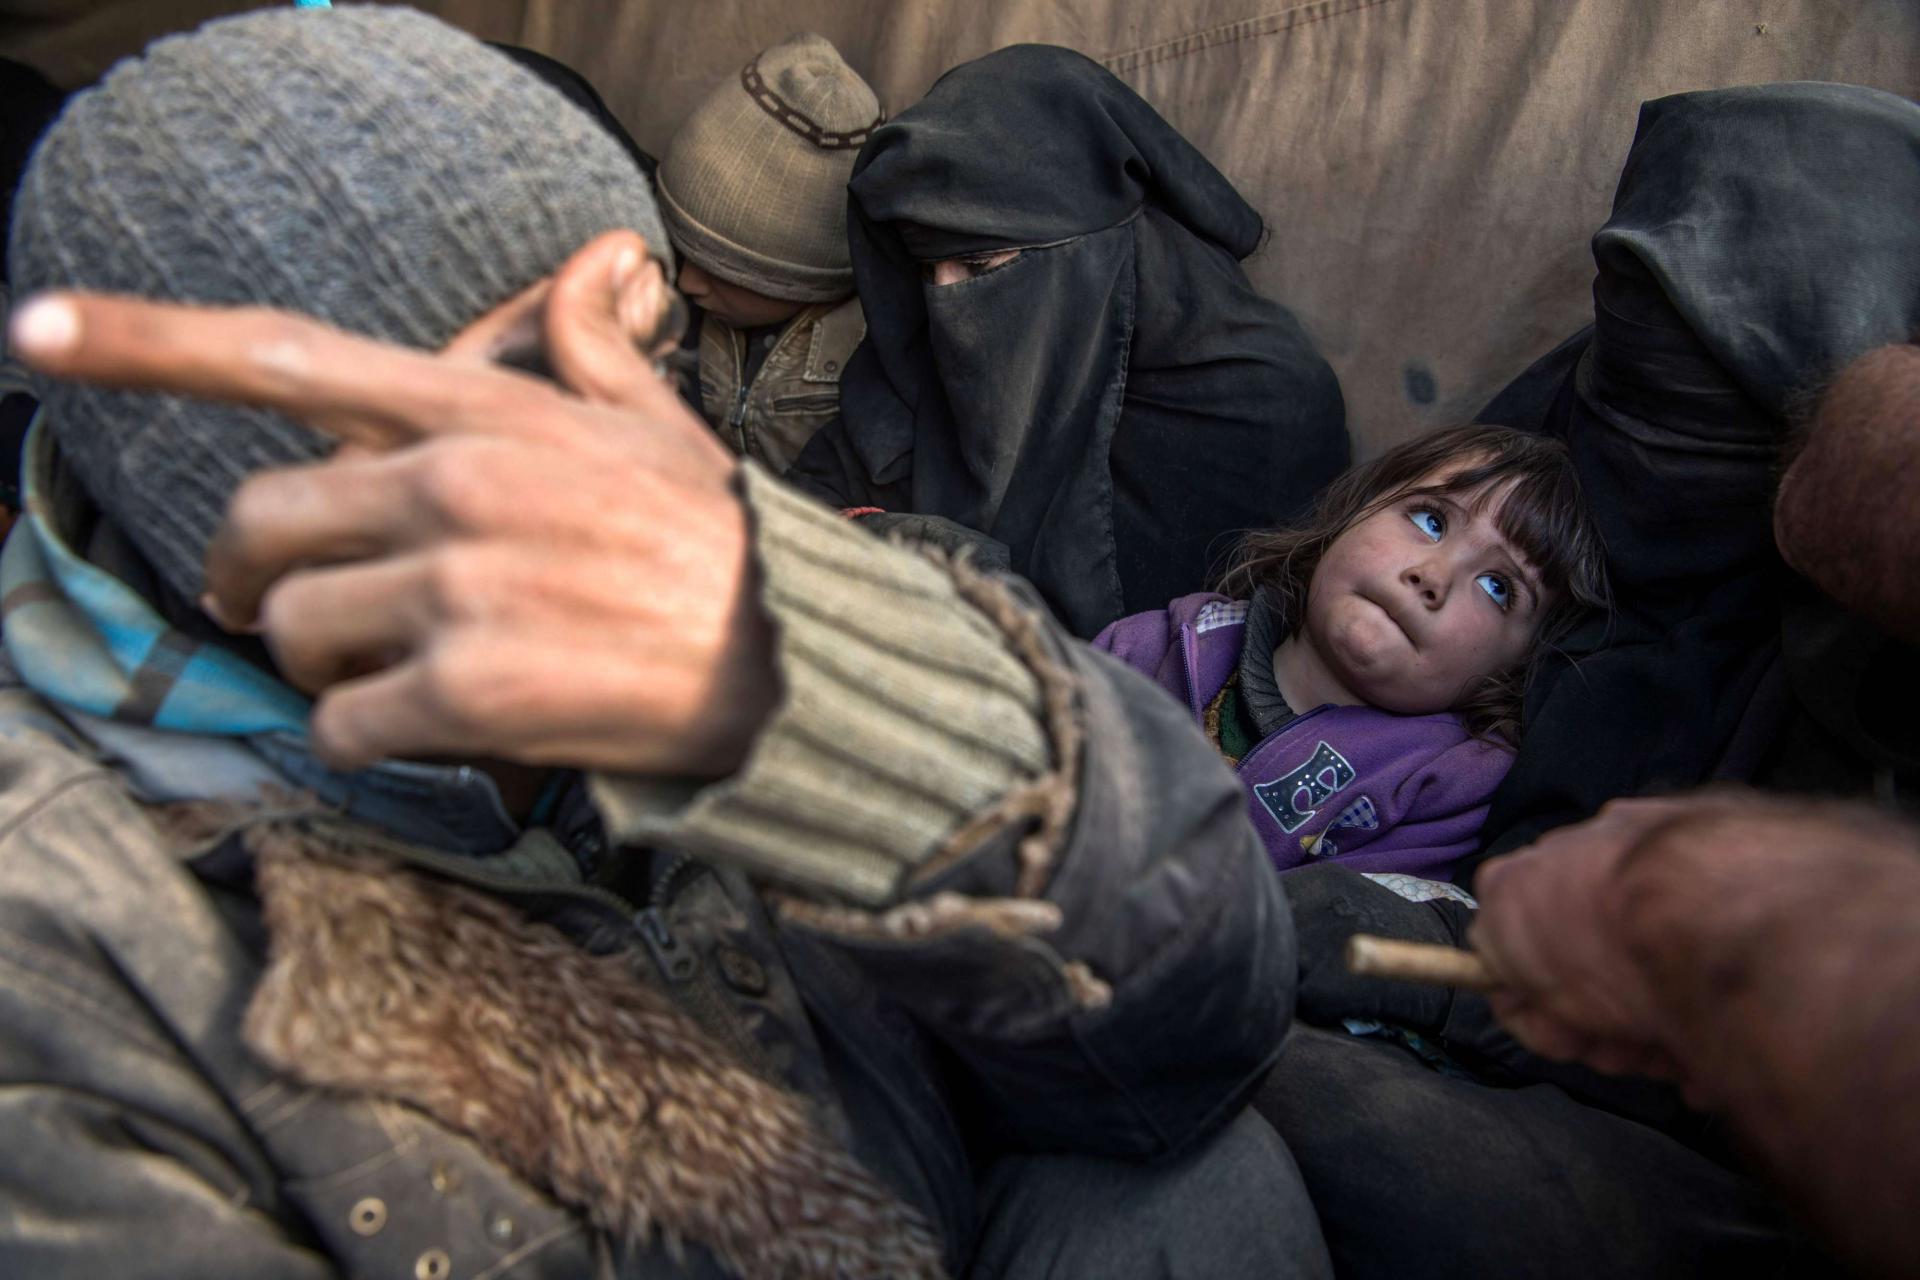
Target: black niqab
(1114,403)
(1761,238)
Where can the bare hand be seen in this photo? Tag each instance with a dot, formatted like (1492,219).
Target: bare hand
(493,565)
(1551,925)
(1760,950)
(1833,515)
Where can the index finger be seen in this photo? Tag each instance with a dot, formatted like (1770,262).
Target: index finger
(353,388)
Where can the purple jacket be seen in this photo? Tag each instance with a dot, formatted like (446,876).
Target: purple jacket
(1378,791)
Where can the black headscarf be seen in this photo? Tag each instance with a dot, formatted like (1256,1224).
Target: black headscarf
(1114,400)
(1761,238)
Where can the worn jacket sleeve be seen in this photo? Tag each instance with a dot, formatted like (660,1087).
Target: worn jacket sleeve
(1025,844)
(1159,999)
(832,469)
(119,1157)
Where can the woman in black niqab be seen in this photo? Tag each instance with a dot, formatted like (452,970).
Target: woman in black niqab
(1110,402)
(1761,238)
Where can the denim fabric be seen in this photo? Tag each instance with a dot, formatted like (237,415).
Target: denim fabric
(454,808)
(1235,1207)
(1417,1174)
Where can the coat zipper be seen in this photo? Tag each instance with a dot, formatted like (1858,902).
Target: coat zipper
(737,344)
(1188,643)
(673,957)
(1282,731)
(699,990)
(820,402)
(676,962)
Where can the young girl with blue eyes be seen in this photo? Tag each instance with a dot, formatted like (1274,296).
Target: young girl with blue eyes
(1363,672)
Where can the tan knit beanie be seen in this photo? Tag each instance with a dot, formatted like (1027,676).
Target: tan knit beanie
(754,184)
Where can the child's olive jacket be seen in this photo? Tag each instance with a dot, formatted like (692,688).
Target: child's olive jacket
(796,391)
(1374,790)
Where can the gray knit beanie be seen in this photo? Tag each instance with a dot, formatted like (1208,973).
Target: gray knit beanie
(372,167)
(754,183)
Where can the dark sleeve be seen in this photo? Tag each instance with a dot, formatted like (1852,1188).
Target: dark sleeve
(949,536)
(1025,845)
(1331,903)
(831,470)
(120,1157)
(1145,1018)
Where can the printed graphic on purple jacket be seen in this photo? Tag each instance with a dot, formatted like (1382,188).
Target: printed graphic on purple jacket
(1295,798)
(1379,792)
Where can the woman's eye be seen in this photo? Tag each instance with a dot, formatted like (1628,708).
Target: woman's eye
(1497,589)
(953,270)
(1428,521)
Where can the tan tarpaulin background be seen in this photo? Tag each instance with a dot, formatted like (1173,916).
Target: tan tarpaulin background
(1431,169)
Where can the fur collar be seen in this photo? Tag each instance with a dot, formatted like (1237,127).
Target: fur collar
(574,1070)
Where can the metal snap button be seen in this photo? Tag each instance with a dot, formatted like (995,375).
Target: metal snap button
(831,365)
(434,1264)
(741,971)
(367,1216)
(499,1227)
(441,1178)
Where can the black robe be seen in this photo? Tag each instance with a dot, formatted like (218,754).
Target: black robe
(1113,405)
(1761,238)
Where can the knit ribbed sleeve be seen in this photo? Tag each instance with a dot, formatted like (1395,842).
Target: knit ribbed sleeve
(903,713)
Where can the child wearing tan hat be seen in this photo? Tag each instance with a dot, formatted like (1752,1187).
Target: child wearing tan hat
(753,188)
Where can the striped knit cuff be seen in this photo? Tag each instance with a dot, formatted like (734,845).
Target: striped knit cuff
(903,714)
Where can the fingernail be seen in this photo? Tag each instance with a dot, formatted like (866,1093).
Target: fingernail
(624,266)
(640,307)
(45,327)
(210,606)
